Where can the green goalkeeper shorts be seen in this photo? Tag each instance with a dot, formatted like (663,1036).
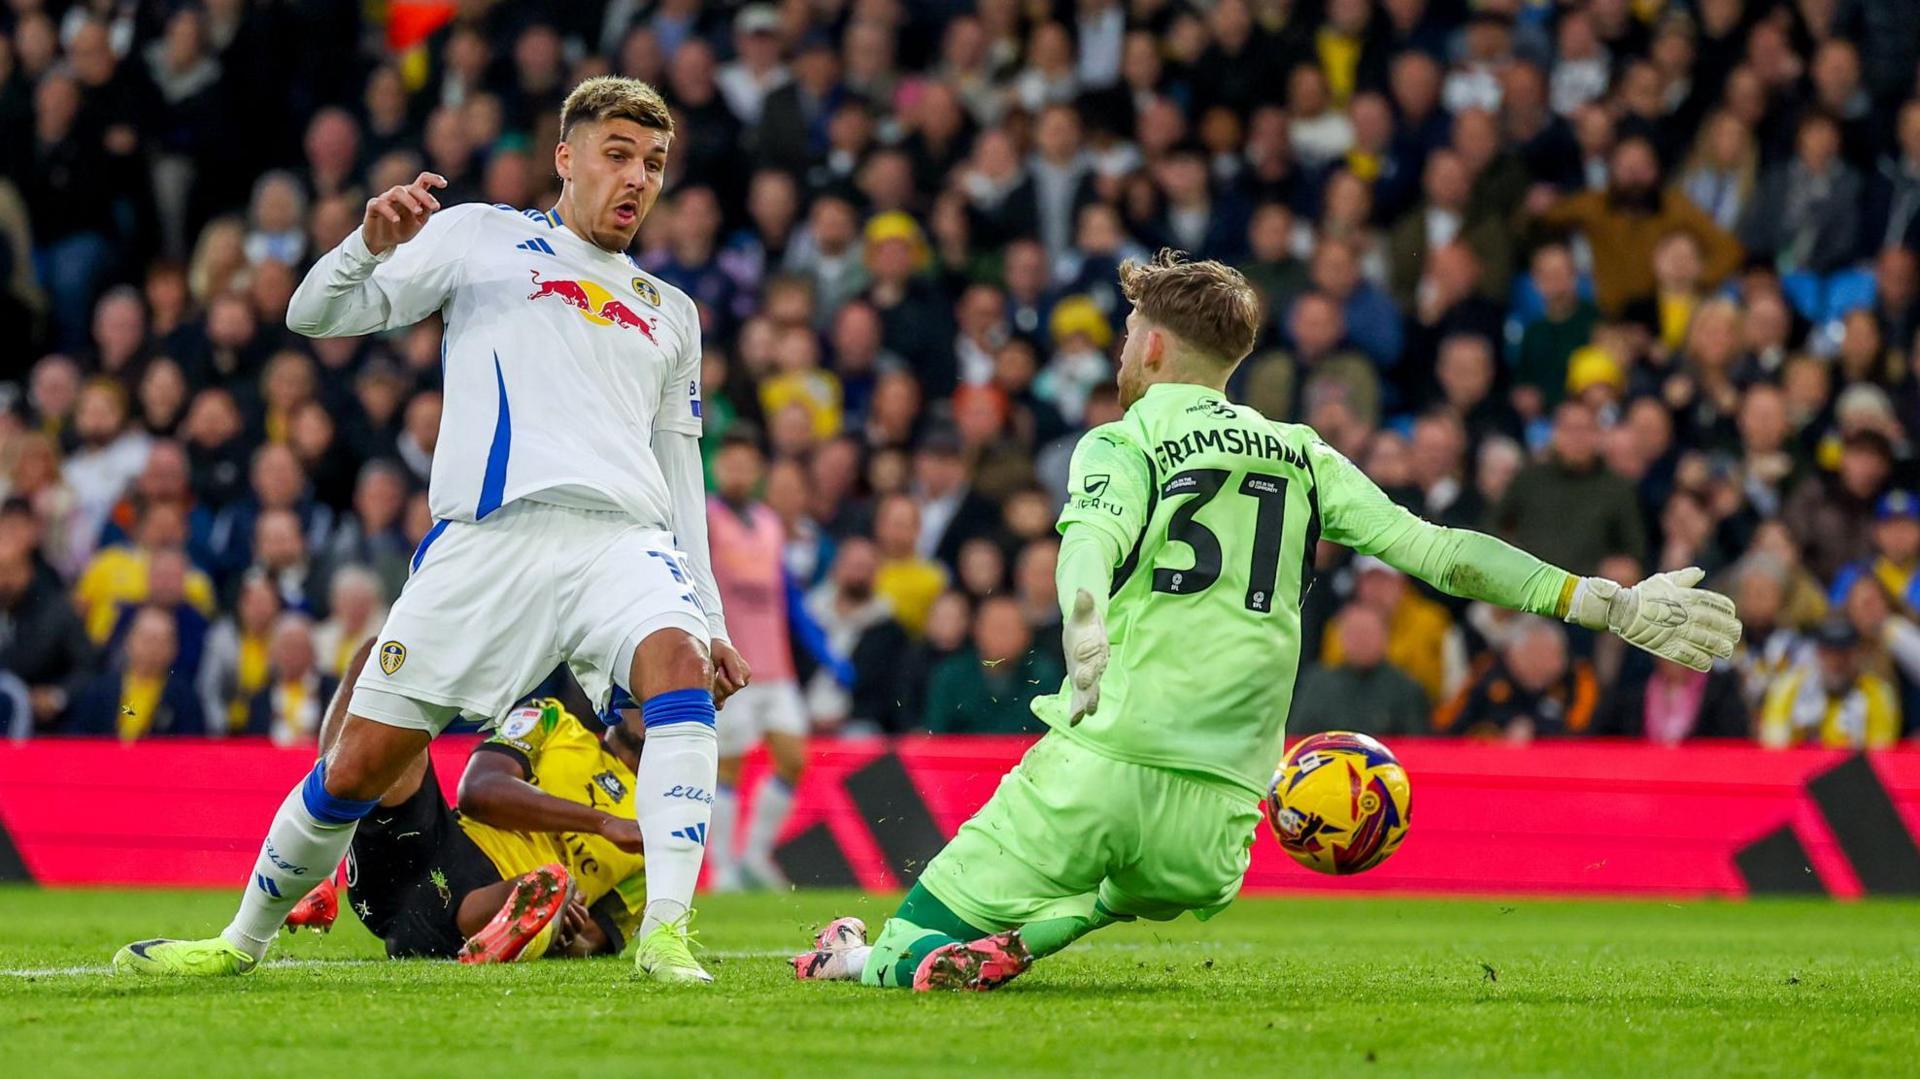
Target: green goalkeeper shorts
(1069,827)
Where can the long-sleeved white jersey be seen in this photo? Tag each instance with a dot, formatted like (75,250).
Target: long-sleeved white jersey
(561,363)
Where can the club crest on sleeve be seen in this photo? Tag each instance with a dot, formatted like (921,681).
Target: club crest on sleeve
(392,655)
(645,290)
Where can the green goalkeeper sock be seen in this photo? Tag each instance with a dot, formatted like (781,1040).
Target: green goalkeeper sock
(922,924)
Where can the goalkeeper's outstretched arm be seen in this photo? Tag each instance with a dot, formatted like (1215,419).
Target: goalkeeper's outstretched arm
(1664,614)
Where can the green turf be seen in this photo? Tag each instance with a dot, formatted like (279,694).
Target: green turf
(1308,988)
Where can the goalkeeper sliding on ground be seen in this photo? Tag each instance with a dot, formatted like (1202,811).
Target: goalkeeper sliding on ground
(1187,544)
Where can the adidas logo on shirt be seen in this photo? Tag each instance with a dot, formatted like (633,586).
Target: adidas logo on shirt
(536,244)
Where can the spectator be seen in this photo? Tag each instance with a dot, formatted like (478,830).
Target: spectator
(1439,221)
(909,582)
(372,535)
(1622,223)
(1565,324)
(1830,515)
(894,669)
(1528,690)
(1363,692)
(1568,508)
(111,452)
(141,696)
(1890,214)
(1832,701)
(1421,638)
(1805,215)
(280,552)
(1664,703)
(237,661)
(120,576)
(42,642)
(34,482)
(1720,174)
(987,687)
(289,709)
(359,609)
(1373,324)
(168,572)
(847,609)
(950,512)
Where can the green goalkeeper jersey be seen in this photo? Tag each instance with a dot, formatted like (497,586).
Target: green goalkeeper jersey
(1195,521)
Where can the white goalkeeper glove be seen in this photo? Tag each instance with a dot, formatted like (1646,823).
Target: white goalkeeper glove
(1084,639)
(1663,614)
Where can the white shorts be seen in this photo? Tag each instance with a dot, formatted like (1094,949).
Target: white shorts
(494,606)
(759,709)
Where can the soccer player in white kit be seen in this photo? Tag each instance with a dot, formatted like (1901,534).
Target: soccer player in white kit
(571,513)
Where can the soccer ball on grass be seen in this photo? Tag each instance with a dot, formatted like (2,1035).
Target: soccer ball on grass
(1340,803)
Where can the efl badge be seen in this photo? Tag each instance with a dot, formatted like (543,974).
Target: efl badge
(520,722)
(646,291)
(1097,485)
(392,655)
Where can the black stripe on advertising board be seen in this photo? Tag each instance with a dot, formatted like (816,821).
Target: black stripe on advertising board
(1868,828)
(1776,864)
(901,824)
(813,859)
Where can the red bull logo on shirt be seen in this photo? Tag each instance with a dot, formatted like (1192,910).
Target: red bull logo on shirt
(594,303)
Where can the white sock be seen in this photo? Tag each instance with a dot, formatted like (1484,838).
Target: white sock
(720,833)
(772,802)
(673,797)
(302,849)
(857,961)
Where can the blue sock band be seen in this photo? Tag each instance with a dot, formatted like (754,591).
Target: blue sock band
(331,808)
(678,706)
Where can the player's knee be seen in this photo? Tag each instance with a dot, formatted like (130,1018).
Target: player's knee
(671,659)
(330,796)
(361,769)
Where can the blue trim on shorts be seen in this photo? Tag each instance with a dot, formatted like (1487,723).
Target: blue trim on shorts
(426,541)
(493,486)
(678,706)
(331,808)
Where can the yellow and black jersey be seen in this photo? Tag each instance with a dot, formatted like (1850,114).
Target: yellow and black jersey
(567,760)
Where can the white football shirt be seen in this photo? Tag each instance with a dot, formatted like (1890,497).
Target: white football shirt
(560,361)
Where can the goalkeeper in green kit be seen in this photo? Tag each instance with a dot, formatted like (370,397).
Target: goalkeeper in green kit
(1187,543)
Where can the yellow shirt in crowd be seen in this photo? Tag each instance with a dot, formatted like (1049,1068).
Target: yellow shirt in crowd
(117,577)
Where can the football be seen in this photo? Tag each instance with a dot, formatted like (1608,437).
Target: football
(1340,803)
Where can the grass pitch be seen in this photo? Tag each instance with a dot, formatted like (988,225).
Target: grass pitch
(1302,987)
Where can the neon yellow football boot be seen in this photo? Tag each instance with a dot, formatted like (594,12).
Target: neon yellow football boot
(664,955)
(211,958)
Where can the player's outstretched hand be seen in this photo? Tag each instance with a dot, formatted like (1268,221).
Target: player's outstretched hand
(397,214)
(1664,614)
(1084,640)
(730,671)
(624,834)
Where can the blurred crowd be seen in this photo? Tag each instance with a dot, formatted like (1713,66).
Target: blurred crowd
(1631,283)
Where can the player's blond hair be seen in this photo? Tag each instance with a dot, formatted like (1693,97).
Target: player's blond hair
(610,97)
(1208,305)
